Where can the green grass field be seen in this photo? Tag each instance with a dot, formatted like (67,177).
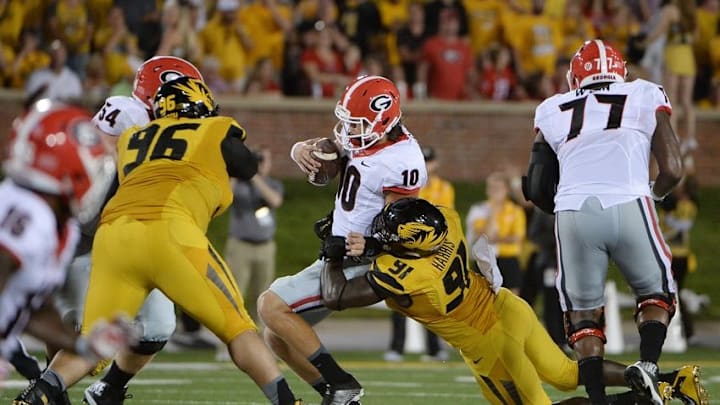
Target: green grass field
(195,378)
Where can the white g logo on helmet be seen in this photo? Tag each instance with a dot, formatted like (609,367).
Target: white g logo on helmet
(168,75)
(381,103)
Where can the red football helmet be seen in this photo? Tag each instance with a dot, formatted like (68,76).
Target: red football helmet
(158,70)
(368,109)
(596,62)
(56,149)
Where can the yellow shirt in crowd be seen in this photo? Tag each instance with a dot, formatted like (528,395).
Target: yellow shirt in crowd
(505,222)
(439,192)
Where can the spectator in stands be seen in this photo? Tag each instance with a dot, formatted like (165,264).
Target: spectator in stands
(210,69)
(434,14)
(264,79)
(439,192)
(95,86)
(535,40)
(394,16)
(353,61)
(447,68)
(267,23)
(497,77)
(118,46)
(484,23)
(410,40)
(707,16)
(715,65)
(70,22)
(373,65)
(575,29)
(11,25)
(179,37)
(359,21)
(99,10)
(30,58)
(615,22)
(677,214)
(323,64)
(57,81)
(293,80)
(34,12)
(652,61)
(315,10)
(678,23)
(504,222)
(143,20)
(226,39)
(250,248)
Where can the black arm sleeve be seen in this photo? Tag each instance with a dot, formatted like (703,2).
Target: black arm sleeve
(539,186)
(240,161)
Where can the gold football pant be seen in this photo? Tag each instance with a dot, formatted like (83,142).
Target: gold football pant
(130,258)
(517,354)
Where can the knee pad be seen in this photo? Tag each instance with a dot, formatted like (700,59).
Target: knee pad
(147,348)
(585,328)
(664,301)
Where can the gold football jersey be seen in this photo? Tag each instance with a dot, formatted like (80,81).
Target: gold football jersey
(440,291)
(173,168)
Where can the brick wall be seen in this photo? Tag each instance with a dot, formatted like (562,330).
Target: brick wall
(471,139)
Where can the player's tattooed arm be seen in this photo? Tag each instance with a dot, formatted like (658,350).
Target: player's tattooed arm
(338,292)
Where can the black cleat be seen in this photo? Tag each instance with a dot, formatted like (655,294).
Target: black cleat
(642,377)
(40,392)
(344,394)
(102,393)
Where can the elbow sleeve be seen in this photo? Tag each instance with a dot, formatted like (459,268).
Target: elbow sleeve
(240,161)
(540,184)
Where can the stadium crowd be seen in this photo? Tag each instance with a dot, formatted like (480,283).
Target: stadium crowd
(443,49)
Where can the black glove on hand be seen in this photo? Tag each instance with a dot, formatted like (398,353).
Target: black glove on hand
(334,248)
(323,226)
(373,247)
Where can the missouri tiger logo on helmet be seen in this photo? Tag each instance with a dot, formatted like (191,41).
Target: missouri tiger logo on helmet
(410,226)
(184,97)
(420,236)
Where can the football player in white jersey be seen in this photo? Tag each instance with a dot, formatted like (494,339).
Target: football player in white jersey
(384,163)
(58,169)
(157,316)
(594,142)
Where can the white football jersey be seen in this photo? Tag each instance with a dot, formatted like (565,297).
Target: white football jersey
(29,232)
(120,113)
(397,167)
(602,139)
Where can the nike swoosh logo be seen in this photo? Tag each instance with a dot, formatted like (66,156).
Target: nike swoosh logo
(478,360)
(362,162)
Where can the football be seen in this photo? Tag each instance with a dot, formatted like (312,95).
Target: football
(329,158)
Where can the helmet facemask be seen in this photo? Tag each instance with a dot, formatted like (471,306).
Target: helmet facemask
(364,136)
